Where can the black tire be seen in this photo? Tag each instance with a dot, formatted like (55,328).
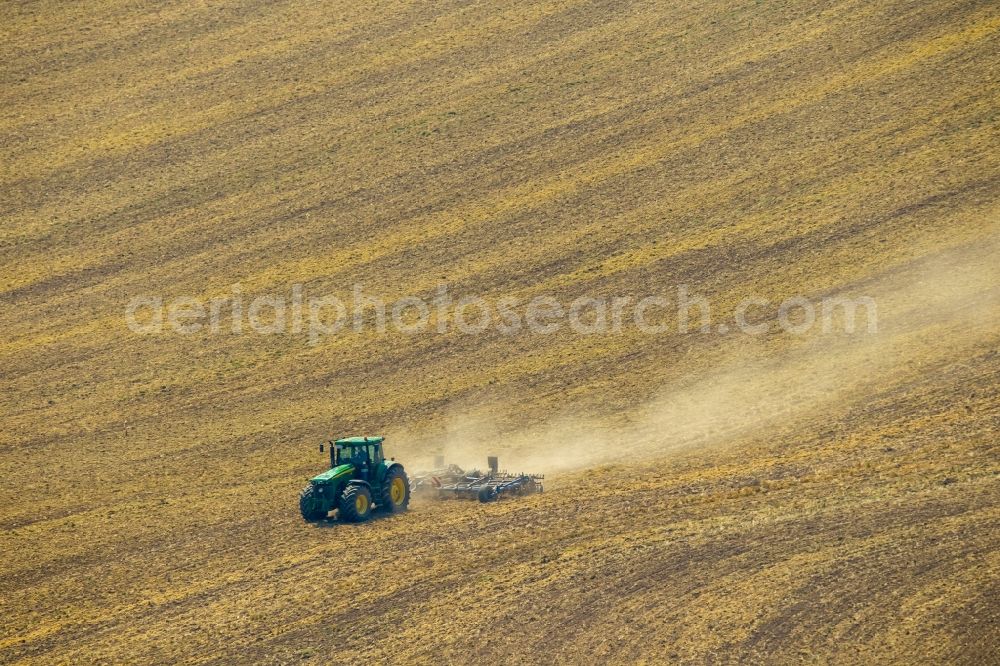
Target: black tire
(355,503)
(487,494)
(310,504)
(395,499)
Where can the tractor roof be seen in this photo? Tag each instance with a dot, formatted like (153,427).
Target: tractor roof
(348,441)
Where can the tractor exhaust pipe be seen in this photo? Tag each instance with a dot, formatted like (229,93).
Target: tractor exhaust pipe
(333,453)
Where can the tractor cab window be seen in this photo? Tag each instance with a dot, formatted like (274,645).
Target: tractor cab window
(374,454)
(359,456)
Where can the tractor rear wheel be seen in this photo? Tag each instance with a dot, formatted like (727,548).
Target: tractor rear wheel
(356,503)
(395,491)
(310,505)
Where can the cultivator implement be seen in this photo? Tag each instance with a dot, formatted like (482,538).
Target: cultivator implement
(427,484)
(454,482)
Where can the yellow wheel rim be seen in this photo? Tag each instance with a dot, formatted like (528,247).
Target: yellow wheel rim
(361,503)
(397,491)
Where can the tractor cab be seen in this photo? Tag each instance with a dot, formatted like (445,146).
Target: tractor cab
(364,453)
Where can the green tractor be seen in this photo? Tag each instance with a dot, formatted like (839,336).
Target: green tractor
(360,480)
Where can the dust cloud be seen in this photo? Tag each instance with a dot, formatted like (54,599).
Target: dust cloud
(930,309)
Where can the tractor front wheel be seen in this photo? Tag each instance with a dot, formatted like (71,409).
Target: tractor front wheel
(395,491)
(356,503)
(310,505)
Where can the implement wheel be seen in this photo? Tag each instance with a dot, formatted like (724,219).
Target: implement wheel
(395,491)
(355,504)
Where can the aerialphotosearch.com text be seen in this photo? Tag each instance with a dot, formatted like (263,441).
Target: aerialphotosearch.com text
(677,310)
